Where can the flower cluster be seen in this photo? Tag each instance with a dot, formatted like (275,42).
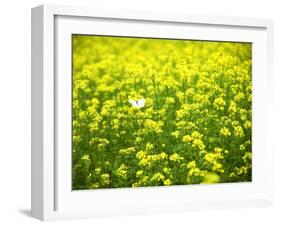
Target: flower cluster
(151,112)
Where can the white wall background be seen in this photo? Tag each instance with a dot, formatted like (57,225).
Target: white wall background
(15,112)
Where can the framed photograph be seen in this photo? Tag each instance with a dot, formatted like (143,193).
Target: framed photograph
(137,112)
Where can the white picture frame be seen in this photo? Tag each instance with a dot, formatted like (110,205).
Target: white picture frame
(52,197)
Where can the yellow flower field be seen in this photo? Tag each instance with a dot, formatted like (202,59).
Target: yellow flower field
(152,112)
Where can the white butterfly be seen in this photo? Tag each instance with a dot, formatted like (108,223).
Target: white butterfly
(137,103)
